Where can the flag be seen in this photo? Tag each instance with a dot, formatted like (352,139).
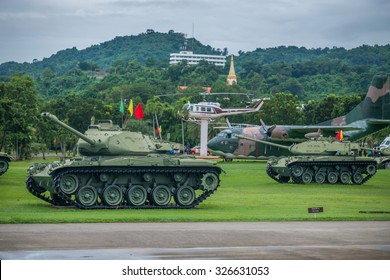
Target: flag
(339,135)
(122,107)
(138,113)
(158,129)
(131,107)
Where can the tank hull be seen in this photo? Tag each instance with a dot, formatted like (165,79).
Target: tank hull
(322,169)
(383,162)
(153,181)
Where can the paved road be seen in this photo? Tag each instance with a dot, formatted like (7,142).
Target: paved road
(256,240)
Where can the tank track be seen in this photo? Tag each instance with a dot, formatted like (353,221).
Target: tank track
(39,193)
(298,179)
(3,165)
(62,199)
(272,174)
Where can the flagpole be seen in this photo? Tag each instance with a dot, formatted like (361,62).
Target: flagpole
(182,133)
(122,109)
(158,126)
(127,114)
(154,129)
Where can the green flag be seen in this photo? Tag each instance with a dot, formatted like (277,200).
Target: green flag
(122,107)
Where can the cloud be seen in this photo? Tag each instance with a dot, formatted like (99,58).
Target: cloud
(40,28)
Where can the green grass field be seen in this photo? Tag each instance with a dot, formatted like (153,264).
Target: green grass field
(246,194)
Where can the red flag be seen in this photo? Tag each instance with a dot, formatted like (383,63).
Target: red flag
(138,113)
(339,135)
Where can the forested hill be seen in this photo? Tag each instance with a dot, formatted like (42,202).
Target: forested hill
(154,48)
(150,46)
(139,65)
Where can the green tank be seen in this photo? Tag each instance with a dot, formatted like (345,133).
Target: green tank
(323,161)
(122,169)
(4,162)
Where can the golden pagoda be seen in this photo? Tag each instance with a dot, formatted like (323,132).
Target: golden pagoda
(231,78)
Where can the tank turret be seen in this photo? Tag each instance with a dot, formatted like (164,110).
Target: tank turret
(105,139)
(319,146)
(4,162)
(122,169)
(324,161)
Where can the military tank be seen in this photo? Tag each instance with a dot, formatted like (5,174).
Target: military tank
(122,169)
(4,162)
(323,161)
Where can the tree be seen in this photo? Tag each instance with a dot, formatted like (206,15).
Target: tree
(18,113)
(283,108)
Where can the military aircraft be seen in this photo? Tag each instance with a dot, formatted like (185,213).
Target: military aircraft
(208,110)
(204,111)
(368,117)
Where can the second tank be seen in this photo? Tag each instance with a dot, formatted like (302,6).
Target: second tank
(322,161)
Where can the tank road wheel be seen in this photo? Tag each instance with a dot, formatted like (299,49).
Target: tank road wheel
(307,177)
(3,166)
(136,195)
(297,170)
(112,195)
(357,178)
(184,196)
(345,178)
(332,177)
(161,195)
(320,177)
(69,183)
(86,196)
(210,181)
(371,169)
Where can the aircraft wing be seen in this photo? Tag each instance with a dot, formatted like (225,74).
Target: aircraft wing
(378,121)
(313,128)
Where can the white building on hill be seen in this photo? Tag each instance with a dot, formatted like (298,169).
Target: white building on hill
(218,60)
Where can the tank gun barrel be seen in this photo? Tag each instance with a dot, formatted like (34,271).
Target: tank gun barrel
(67,127)
(262,141)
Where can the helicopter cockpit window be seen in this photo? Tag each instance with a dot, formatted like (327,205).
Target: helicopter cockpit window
(226,134)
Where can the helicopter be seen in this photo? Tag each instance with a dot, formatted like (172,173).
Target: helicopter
(208,110)
(205,111)
(368,117)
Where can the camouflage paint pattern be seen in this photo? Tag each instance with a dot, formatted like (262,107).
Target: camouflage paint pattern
(368,117)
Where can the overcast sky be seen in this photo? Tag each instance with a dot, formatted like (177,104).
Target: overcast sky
(35,29)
